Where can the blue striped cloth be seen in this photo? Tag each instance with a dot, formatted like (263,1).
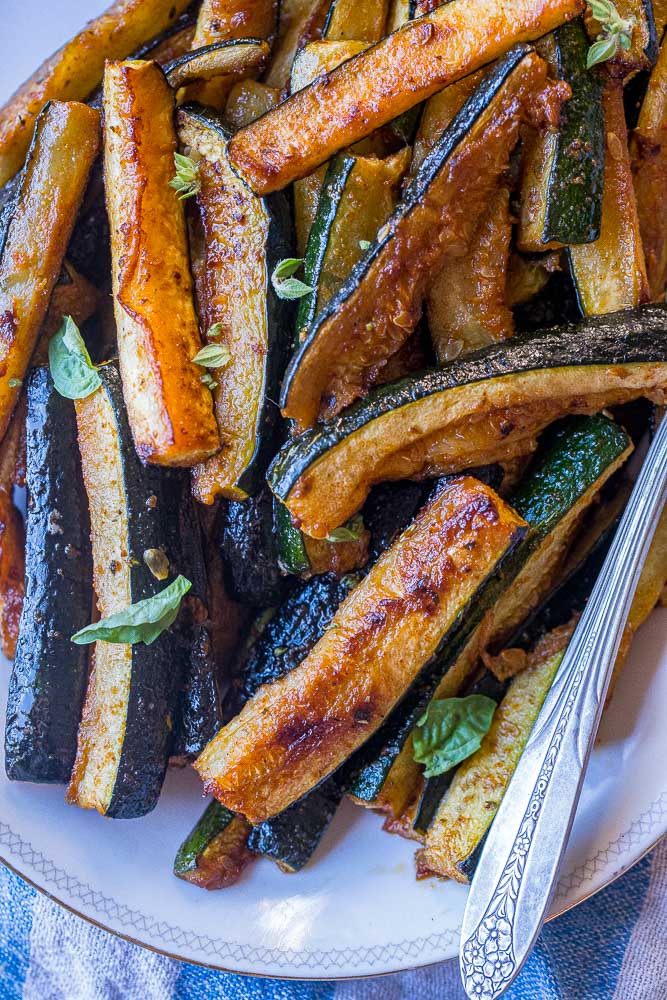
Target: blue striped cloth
(612,947)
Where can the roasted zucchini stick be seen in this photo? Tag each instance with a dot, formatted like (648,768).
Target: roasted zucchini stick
(466,304)
(125,732)
(384,81)
(64,146)
(48,679)
(215,852)
(349,20)
(479,784)
(610,273)
(295,732)
(487,408)
(300,22)
(73,72)
(648,147)
(209,74)
(169,407)
(12,533)
(249,100)
(240,309)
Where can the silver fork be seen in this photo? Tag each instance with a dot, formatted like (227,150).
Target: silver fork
(519,865)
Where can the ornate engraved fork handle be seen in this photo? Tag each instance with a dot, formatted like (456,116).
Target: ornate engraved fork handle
(519,866)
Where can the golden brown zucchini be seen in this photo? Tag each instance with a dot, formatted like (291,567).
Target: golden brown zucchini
(239,308)
(610,274)
(349,20)
(384,81)
(224,20)
(311,62)
(12,533)
(439,112)
(373,314)
(486,408)
(249,100)
(648,148)
(467,303)
(73,72)
(299,729)
(170,409)
(468,808)
(65,144)
(300,22)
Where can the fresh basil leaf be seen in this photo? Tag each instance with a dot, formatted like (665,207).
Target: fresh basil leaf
(214,331)
(292,288)
(451,730)
(364,244)
(141,622)
(602,10)
(213,356)
(74,374)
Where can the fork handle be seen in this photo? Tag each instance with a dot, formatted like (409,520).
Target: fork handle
(518,868)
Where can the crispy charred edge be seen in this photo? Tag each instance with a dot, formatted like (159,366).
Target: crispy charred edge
(59,126)
(302,404)
(12,531)
(353,119)
(187,431)
(448,848)
(213,478)
(610,274)
(338,739)
(91,44)
(216,851)
(648,147)
(612,340)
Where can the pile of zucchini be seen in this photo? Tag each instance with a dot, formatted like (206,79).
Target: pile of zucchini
(327,330)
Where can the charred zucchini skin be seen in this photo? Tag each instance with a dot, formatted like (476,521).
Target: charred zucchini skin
(199,712)
(575,184)
(630,336)
(291,837)
(215,852)
(249,548)
(48,679)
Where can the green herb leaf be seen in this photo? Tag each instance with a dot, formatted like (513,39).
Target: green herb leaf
(615,32)
(213,356)
(186,181)
(286,267)
(365,244)
(349,532)
(287,287)
(450,731)
(74,374)
(209,381)
(15,383)
(141,622)
(214,331)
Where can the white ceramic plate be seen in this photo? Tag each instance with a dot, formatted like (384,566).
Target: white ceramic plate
(357,910)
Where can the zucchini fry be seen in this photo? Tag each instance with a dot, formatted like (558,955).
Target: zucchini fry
(648,148)
(169,407)
(65,144)
(349,20)
(381,83)
(239,304)
(610,274)
(467,305)
(295,732)
(379,306)
(74,71)
(300,22)
(249,100)
(12,533)
(225,20)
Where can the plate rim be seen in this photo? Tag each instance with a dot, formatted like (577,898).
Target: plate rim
(659,804)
